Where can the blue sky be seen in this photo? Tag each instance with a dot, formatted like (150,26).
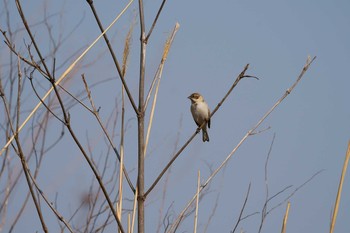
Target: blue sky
(215,41)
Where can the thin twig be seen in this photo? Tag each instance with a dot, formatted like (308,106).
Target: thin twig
(39,69)
(96,114)
(55,211)
(295,190)
(212,214)
(155,20)
(42,102)
(42,60)
(114,57)
(242,209)
(264,209)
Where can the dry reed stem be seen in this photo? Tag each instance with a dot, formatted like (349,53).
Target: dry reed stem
(63,76)
(284,226)
(126,53)
(157,79)
(121,165)
(340,188)
(197,202)
(250,132)
(134,211)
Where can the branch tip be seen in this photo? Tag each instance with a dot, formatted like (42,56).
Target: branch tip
(250,76)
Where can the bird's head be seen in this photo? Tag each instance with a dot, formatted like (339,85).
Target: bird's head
(196,97)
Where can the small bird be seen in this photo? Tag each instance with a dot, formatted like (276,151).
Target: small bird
(201,113)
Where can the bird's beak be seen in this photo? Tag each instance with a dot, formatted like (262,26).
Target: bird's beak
(189,97)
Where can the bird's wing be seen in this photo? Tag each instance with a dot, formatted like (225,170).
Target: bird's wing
(209,118)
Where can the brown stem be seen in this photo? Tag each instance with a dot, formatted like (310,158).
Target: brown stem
(115,60)
(42,60)
(141,127)
(155,20)
(98,178)
(242,209)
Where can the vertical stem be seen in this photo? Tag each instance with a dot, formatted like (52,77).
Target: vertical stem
(197,201)
(141,126)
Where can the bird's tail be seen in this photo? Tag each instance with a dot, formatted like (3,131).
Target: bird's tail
(205,135)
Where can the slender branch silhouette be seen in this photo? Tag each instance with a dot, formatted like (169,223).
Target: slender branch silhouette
(97,116)
(114,57)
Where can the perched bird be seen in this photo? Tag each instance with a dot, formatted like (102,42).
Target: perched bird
(201,113)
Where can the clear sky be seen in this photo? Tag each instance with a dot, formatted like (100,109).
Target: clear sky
(215,41)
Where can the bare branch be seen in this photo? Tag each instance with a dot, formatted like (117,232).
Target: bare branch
(295,190)
(267,199)
(42,102)
(115,60)
(20,11)
(155,20)
(242,209)
(212,213)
